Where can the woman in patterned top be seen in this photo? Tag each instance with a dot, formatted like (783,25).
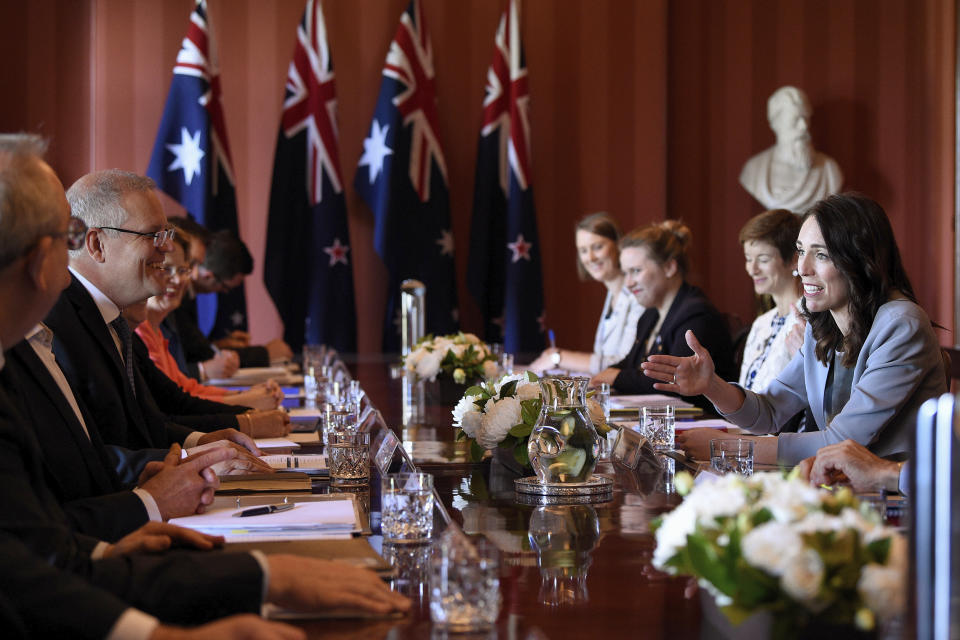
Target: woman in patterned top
(769,248)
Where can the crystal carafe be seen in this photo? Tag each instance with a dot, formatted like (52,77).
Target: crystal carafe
(563,445)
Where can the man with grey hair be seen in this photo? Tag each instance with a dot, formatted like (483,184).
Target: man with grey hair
(791,174)
(64,584)
(121,263)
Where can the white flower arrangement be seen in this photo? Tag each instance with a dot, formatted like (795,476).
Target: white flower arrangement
(769,542)
(502,413)
(462,356)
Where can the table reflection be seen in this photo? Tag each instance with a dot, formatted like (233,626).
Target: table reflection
(563,538)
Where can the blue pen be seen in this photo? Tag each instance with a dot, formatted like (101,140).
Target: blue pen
(553,340)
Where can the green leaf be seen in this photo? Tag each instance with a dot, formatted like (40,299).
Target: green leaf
(761,516)
(530,410)
(476,451)
(520,453)
(475,390)
(707,563)
(521,430)
(459,435)
(879,550)
(509,390)
(736,614)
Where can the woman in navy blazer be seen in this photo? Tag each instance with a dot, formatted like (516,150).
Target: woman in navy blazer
(654,262)
(869,357)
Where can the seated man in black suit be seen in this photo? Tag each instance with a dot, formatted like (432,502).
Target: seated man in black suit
(121,263)
(64,584)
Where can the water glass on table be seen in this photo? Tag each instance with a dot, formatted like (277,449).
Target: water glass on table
(732,455)
(464,584)
(406,507)
(657,424)
(348,458)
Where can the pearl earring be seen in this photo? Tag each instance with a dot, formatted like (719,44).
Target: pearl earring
(794,273)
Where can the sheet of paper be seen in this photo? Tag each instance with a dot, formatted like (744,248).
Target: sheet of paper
(304,413)
(329,515)
(305,437)
(273,443)
(716,423)
(295,462)
(646,400)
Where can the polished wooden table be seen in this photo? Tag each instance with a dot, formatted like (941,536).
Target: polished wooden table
(568,571)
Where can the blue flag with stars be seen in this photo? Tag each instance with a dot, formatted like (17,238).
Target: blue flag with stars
(191,158)
(308,270)
(503,271)
(402,175)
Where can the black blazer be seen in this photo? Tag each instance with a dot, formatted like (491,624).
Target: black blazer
(59,591)
(79,469)
(690,310)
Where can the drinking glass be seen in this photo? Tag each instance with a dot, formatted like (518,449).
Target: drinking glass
(337,419)
(657,425)
(732,455)
(602,397)
(406,506)
(464,584)
(506,363)
(348,458)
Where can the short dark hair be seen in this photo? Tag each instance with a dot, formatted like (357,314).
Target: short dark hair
(227,255)
(777,227)
(602,224)
(861,245)
(191,227)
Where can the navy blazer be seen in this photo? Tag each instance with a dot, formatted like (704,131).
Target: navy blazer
(59,591)
(79,469)
(690,310)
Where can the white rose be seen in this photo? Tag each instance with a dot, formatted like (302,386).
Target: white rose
(802,576)
(429,365)
(490,369)
(770,547)
(465,406)
(471,423)
(787,500)
(497,421)
(410,362)
(672,534)
(884,589)
(458,350)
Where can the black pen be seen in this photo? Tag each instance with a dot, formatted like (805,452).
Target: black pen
(264,510)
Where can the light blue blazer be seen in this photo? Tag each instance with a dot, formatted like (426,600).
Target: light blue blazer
(899,367)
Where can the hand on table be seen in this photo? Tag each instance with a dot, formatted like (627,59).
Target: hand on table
(236,340)
(696,442)
(255,398)
(849,462)
(183,487)
(246,460)
(223,365)
(279,350)
(265,424)
(239,627)
(608,375)
(311,584)
(159,536)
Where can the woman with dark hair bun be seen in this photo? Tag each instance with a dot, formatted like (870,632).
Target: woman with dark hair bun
(599,259)
(869,357)
(654,262)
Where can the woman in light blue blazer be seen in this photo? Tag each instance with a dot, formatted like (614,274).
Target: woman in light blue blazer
(869,357)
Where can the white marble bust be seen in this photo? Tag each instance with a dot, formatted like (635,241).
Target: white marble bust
(791,174)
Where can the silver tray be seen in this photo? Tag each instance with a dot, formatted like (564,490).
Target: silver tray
(595,485)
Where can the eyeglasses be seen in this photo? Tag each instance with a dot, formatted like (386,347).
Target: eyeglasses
(172,270)
(75,233)
(160,238)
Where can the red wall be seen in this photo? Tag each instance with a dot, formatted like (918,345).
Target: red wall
(645,109)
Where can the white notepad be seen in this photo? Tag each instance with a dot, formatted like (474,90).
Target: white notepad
(325,516)
(292,462)
(647,400)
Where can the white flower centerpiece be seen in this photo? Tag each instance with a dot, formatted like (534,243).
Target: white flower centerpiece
(462,357)
(502,413)
(774,543)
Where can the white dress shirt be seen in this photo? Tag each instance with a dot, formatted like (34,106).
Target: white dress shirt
(616,330)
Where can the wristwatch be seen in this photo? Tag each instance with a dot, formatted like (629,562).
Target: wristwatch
(555,357)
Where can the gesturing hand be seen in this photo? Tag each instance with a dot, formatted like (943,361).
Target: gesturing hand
(794,339)
(158,536)
(689,376)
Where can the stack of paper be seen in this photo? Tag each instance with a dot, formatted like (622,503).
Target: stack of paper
(305,521)
(647,400)
(247,376)
(305,463)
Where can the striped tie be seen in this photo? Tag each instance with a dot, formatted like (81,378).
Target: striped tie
(126,341)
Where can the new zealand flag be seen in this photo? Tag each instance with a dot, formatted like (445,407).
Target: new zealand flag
(503,271)
(403,177)
(191,158)
(308,271)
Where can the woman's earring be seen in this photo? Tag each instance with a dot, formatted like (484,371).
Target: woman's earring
(794,273)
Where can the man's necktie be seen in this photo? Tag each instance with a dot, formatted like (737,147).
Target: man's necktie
(126,342)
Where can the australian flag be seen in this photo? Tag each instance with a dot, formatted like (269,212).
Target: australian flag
(191,157)
(402,175)
(503,272)
(308,270)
